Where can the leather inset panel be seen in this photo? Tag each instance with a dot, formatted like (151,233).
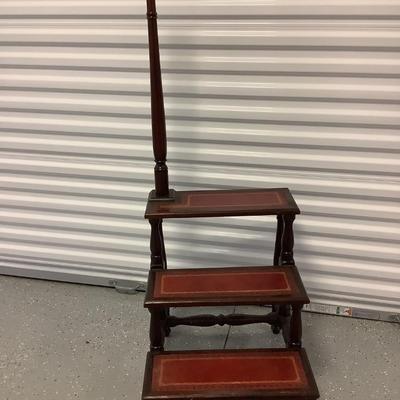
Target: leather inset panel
(224,371)
(224,282)
(239,199)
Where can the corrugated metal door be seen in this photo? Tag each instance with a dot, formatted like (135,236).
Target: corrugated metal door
(258,94)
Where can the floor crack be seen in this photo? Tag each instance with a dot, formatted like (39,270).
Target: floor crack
(229,330)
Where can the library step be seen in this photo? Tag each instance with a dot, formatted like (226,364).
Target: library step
(229,374)
(225,286)
(222,203)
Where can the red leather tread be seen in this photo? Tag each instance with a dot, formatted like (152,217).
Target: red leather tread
(261,373)
(206,283)
(235,285)
(205,203)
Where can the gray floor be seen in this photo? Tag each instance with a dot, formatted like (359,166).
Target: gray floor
(66,341)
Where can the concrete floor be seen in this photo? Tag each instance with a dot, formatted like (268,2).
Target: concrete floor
(67,341)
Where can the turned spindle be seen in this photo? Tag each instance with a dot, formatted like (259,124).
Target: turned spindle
(159,135)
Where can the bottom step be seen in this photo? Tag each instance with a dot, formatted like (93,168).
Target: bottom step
(229,374)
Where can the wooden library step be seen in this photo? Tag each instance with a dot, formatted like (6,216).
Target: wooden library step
(222,203)
(229,374)
(225,286)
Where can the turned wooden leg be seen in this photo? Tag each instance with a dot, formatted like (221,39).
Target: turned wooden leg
(276,328)
(295,327)
(158,255)
(165,315)
(164,261)
(156,246)
(163,253)
(286,257)
(157,330)
(278,239)
(286,254)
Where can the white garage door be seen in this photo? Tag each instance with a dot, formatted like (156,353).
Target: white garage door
(258,94)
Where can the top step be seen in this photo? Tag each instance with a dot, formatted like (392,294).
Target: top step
(224,203)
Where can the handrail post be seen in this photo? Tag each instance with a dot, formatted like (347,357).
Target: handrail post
(159,136)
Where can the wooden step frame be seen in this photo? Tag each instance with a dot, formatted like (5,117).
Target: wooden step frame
(162,194)
(223,203)
(292,380)
(295,296)
(225,286)
(283,249)
(285,318)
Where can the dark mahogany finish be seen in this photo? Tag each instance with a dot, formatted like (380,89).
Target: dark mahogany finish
(230,319)
(158,258)
(274,374)
(225,286)
(295,326)
(157,109)
(278,239)
(222,203)
(286,257)
(157,329)
(229,374)
(277,286)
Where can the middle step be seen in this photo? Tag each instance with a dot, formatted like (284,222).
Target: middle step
(270,285)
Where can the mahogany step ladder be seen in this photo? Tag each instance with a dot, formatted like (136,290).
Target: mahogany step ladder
(220,374)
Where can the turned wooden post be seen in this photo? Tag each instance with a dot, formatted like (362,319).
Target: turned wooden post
(163,252)
(286,257)
(295,327)
(287,240)
(156,244)
(157,330)
(278,239)
(158,260)
(276,328)
(157,109)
